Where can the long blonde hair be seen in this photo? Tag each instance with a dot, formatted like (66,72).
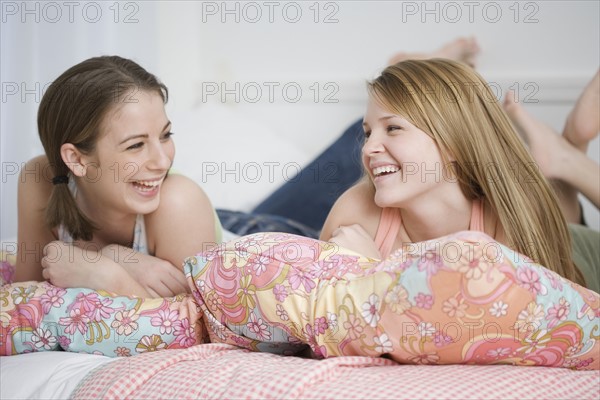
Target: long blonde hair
(455,106)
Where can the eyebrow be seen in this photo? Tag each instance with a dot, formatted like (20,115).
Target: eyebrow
(144,135)
(385,118)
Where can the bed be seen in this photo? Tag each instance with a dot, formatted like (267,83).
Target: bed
(225,372)
(225,369)
(232,361)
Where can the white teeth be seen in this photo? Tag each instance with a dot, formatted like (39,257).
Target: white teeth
(148,183)
(147,186)
(385,170)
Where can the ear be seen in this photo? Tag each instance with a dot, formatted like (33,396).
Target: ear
(72,157)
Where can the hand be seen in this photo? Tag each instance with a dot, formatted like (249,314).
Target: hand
(66,265)
(159,277)
(354,237)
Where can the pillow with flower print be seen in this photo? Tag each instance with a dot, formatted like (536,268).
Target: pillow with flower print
(463,298)
(7,267)
(36,316)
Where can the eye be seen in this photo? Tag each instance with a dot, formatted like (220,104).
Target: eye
(138,145)
(167,136)
(392,128)
(367,134)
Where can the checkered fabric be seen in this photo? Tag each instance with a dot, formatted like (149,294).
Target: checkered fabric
(224,372)
(219,371)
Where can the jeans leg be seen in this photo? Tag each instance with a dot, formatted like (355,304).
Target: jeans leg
(242,224)
(308,197)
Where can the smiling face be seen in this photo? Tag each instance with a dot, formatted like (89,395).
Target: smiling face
(132,156)
(403,162)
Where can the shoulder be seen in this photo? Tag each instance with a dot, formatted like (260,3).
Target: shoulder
(355,206)
(181,191)
(35,181)
(183,203)
(359,196)
(34,190)
(184,223)
(38,167)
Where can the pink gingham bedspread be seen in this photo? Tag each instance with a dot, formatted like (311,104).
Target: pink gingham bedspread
(226,372)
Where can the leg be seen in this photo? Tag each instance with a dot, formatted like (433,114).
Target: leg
(308,197)
(583,123)
(569,170)
(461,49)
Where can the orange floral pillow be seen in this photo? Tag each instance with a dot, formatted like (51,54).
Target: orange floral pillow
(462,299)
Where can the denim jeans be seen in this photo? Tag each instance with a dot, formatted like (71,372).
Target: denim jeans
(301,205)
(309,196)
(242,223)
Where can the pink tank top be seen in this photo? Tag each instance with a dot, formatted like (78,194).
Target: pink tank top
(390,225)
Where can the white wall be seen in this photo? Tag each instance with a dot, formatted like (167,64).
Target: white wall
(548,49)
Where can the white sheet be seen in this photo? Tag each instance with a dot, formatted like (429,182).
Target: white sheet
(27,376)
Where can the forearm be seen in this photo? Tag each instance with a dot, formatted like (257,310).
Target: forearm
(128,258)
(159,277)
(124,256)
(119,281)
(106,274)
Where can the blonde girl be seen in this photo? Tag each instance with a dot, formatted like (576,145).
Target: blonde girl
(441,156)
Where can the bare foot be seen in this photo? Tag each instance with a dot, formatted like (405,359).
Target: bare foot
(583,123)
(462,49)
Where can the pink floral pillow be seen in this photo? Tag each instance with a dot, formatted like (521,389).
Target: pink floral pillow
(36,316)
(7,269)
(459,299)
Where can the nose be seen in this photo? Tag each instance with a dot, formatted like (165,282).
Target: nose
(161,156)
(373,145)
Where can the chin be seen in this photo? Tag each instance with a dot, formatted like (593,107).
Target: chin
(145,208)
(383,201)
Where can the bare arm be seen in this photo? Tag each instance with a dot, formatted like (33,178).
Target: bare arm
(41,257)
(33,234)
(185,221)
(67,265)
(183,226)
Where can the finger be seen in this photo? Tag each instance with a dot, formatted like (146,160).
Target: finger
(160,288)
(175,284)
(153,293)
(181,283)
(52,250)
(46,274)
(337,231)
(334,240)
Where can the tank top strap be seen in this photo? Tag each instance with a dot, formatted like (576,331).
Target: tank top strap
(477,216)
(387,231)
(390,225)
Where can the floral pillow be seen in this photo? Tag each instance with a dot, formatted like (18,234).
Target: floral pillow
(36,316)
(463,298)
(7,267)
